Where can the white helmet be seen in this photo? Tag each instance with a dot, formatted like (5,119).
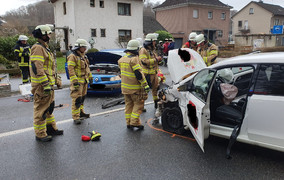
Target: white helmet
(199,39)
(192,36)
(133,45)
(81,43)
(23,38)
(226,75)
(151,37)
(45,29)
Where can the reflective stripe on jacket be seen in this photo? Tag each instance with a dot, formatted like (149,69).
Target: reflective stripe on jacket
(78,67)
(129,83)
(149,63)
(209,54)
(42,65)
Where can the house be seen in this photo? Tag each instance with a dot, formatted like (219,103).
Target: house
(257,18)
(181,17)
(104,24)
(254,23)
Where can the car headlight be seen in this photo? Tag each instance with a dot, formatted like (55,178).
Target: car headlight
(115,78)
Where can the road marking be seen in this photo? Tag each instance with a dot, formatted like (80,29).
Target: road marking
(10,133)
(173,135)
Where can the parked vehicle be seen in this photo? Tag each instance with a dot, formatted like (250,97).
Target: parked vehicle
(105,71)
(250,110)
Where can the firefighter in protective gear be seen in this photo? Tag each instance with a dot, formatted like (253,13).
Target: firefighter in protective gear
(191,43)
(80,76)
(207,50)
(133,85)
(42,68)
(22,52)
(149,62)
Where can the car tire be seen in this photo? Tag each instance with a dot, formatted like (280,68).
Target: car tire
(172,120)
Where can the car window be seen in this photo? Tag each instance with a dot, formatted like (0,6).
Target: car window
(270,80)
(237,70)
(201,83)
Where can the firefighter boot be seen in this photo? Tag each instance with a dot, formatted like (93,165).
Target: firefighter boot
(44,139)
(51,131)
(84,115)
(140,127)
(77,121)
(156,103)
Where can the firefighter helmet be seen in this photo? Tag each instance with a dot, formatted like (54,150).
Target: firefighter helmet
(199,39)
(23,38)
(81,43)
(45,29)
(151,37)
(133,45)
(192,36)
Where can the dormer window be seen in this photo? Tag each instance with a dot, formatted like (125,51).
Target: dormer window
(251,11)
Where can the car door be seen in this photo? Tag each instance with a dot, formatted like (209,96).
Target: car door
(198,107)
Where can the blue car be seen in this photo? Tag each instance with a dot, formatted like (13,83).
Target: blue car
(105,70)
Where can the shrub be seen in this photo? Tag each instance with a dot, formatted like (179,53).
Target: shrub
(92,50)
(59,54)
(3,60)
(163,35)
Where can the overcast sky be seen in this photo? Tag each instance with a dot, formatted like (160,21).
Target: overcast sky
(236,4)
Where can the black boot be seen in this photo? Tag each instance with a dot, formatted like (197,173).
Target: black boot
(77,121)
(44,139)
(84,115)
(156,103)
(51,131)
(140,127)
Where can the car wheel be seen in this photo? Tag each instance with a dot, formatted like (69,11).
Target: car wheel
(172,120)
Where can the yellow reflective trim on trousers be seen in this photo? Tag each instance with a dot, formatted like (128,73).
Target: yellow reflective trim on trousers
(71,63)
(128,74)
(73,78)
(127,115)
(37,58)
(77,111)
(136,67)
(134,115)
(149,71)
(50,120)
(129,86)
(81,80)
(40,79)
(38,127)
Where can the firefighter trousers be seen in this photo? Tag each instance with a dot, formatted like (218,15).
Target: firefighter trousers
(133,108)
(43,109)
(154,81)
(78,98)
(25,71)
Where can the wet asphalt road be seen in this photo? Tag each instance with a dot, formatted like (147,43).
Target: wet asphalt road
(121,153)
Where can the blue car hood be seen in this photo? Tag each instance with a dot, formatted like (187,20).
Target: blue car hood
(103,57)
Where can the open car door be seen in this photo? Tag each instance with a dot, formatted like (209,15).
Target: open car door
(198,107)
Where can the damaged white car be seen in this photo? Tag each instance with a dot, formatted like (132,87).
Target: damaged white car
(241,99)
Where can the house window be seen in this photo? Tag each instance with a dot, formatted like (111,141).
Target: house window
(223,16)
(251,10)
(276,22)
(195,13)
(93,32)
(124,9)
(92,3)
(220,33)
(210,15)
(103,32)
(102,4)
(124,35)
(246,25)
(240,24)
(64,8)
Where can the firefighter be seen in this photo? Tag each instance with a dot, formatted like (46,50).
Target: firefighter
(42,70)
(149,62)
(133,85)
(207,50)
(22,52)
(191,43)
(80,76)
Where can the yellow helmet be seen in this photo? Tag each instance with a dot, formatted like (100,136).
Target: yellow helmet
(199,39)
(133,45)
(45,29)
(151,37)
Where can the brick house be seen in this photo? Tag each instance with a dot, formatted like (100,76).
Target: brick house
(181,17)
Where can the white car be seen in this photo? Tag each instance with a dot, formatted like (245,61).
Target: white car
(253,115)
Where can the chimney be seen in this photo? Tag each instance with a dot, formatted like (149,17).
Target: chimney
(261,1)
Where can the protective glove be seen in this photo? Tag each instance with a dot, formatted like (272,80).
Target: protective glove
(95,136)
(47,89)
(147,89)
(91,80)
(76,85)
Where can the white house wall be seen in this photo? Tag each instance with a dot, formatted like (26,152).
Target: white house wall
(81,18)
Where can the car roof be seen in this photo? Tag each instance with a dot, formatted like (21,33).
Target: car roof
(253,58)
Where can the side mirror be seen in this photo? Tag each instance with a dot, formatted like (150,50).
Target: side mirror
(183,88)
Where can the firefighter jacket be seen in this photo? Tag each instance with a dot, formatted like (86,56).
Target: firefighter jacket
(129,81)
(188,45)
(148,60)
(209,53)
(42,65)
(78,67)
(22,53)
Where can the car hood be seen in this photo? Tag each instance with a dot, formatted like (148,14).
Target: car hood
(103,57)
(178,68)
